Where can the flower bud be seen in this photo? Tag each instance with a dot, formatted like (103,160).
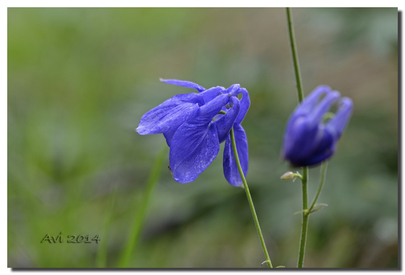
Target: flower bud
(287,176)
(311,137)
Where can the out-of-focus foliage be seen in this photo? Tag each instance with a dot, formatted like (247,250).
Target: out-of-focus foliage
(79,81)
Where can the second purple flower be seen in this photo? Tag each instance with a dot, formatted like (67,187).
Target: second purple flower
(308,139)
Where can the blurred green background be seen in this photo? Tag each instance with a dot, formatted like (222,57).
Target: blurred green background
(79,81)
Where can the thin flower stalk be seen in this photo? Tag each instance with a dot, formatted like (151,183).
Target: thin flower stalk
(250,200)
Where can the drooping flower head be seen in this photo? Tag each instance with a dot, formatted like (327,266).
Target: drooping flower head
(195,124)
(308,139)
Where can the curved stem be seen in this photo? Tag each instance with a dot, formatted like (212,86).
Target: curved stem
(304,226)
(323,173)
(249,197)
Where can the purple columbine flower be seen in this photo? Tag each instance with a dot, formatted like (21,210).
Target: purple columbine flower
(195,124)
(309,140)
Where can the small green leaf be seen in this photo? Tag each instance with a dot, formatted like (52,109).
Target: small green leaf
(321,205)
(266,261)
(280,266)
(301,211)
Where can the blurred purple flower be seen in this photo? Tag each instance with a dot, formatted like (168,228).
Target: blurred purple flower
(308,140)
(194,127)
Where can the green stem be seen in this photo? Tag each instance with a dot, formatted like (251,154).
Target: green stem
(295,55)
(138,222)
(249,197)
(304,225)
(305,213)
(321,182)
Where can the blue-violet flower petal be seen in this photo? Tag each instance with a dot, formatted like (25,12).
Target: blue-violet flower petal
(183,83)
(308,140)
(231,170)
(169,115)
(226,121)
(195,144)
